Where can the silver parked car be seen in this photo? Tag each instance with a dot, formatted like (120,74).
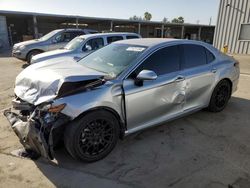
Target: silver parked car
(54,40)
(117,90)
(81,46)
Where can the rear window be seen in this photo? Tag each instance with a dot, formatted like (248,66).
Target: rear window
(114,38)
(194,56)
(132,37)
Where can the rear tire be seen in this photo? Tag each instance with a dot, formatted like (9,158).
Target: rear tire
(220,96)
(31,54)
(93,136)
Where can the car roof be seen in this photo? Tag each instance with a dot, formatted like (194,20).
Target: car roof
(152,42)
(148,42)
(70,29)
(108,34)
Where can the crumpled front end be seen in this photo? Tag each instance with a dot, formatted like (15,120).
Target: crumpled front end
(36,127)
(39,120)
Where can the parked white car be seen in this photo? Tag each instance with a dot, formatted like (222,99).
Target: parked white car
(82,45)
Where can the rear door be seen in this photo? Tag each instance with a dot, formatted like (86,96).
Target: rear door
(155,100)
(197,66)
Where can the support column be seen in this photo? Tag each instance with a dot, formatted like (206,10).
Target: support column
(182,32)
(199,34)
(139,28)
(111,26)
(77,23)
(162,31)
(35,27)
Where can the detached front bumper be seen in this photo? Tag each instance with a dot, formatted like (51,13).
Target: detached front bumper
(36,136)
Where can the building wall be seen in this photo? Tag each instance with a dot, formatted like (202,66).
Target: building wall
(4,41)
(232,13)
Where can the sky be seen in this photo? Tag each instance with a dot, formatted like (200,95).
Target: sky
(193,11)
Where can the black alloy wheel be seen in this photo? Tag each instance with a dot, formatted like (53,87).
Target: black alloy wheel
(220,96)
(93,136)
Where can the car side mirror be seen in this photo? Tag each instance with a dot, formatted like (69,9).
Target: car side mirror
(87,48)
(145,75)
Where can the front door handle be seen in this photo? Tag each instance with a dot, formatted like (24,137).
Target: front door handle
(214,70)
(180,79)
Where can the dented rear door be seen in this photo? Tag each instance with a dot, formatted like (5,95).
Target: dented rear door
(200,75)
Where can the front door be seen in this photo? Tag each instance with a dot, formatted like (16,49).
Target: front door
(155,100)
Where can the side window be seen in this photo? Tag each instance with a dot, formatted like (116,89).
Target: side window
(163,61)
(94,44)
(193,55)
(210,56)
(132,37)
(65,37)
(58,38)
(114,38)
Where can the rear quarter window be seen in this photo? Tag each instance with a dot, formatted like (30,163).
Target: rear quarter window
(210,56)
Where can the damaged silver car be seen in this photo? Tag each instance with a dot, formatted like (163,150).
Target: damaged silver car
(117,90)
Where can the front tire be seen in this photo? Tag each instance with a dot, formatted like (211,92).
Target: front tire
(220,96)
(93,136)
(31,54)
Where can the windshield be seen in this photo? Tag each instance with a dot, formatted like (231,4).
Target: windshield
(74,44)
(112,59)
(49,35)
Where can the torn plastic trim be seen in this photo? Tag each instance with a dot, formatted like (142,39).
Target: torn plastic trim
(35,134)
(19,104)
(70,88)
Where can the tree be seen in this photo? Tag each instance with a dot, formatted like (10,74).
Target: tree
(180,19)
(135,18)
(165,20)
(147,16)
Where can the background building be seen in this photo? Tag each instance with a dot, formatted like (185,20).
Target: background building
(20,26)
(233,26)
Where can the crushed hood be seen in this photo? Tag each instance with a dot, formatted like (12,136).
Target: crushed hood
(41,82)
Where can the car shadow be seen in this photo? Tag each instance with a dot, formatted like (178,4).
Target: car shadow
(25,65)
(194,151)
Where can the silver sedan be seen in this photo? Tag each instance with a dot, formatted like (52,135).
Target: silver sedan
(117,90)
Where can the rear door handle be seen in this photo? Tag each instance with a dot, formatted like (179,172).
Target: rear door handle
(214,70)
(179,78)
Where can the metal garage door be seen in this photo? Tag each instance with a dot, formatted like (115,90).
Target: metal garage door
(4,42)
